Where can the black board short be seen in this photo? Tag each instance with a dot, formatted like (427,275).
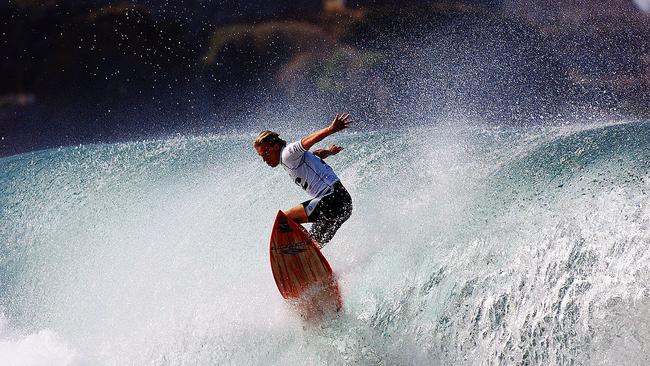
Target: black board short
(329,213)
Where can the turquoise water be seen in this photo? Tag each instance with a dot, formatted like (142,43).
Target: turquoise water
(468,245)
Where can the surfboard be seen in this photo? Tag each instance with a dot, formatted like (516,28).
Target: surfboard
(301,272)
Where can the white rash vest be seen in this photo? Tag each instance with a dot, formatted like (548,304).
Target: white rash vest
(307,170)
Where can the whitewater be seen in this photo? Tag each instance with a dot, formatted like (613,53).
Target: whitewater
(468,244)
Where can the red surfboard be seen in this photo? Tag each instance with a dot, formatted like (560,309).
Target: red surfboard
(301,272)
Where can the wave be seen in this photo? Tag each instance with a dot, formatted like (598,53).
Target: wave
(468,245)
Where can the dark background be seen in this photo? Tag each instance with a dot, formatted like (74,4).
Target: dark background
(100,71)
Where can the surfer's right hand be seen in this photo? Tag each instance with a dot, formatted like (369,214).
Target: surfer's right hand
(340,122)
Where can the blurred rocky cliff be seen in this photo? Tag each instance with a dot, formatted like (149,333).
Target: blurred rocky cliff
(74,72)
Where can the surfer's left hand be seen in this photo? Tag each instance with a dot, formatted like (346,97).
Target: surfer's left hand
(334,149)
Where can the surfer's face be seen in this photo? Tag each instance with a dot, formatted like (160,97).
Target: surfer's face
(269,153)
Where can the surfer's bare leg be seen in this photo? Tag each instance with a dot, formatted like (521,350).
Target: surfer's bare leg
(297,214)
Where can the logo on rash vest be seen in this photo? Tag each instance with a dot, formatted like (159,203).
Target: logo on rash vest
(291,248)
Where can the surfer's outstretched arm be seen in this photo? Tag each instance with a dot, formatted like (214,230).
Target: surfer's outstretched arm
(340,122)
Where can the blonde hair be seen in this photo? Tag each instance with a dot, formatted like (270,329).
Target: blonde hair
(269,137)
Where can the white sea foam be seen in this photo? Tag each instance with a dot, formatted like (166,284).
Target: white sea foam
(467,245)
(43,348)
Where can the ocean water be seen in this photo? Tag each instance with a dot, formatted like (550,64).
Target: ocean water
(467,245)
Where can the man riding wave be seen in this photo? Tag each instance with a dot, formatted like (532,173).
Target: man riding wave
(331,204)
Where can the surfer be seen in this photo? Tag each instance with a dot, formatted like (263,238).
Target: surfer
(331,204)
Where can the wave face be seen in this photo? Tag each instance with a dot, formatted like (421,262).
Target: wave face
(468,245)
